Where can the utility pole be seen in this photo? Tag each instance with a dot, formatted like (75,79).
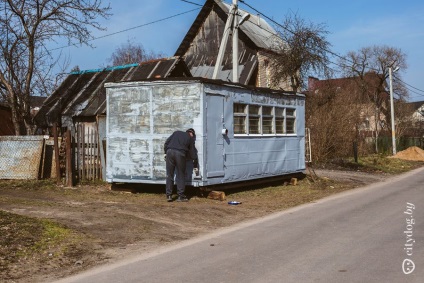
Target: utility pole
(392,109)
(232,25)
(223,45)
(235,43)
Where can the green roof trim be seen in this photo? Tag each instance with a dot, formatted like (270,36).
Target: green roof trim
(104,69)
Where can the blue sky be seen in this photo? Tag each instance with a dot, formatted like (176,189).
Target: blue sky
(352,25)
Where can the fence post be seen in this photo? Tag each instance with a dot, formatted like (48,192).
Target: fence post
(355,151)
(56,153)
(68,158)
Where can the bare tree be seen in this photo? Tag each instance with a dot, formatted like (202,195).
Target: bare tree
(370,65)
(304,48)
(26,29)
(332,115)
(130,52)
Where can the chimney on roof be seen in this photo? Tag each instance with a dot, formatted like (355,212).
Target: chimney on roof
(259,19)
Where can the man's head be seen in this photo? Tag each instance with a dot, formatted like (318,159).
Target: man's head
(191,132)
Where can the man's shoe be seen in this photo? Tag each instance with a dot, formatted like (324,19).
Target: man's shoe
(169,198)
(182,199)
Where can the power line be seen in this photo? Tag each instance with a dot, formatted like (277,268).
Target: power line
(413,91)
(192,3)
(290,31)
(408,84)
(128,29)
(329,51)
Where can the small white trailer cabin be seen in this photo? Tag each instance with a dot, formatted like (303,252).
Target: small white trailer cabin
(242,133)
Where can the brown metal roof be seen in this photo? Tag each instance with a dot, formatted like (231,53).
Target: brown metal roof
(82,93)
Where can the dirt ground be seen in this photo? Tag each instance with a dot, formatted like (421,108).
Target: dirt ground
(110,224)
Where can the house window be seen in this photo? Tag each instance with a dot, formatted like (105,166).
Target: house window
(279,120)
(290,121)
(240,114)
(267,120)
(254,119)
(367,123)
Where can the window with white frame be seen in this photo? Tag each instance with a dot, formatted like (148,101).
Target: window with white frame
(290,121)
(250,119)
(254,119)
(240,114)
(267,120)
(279,120)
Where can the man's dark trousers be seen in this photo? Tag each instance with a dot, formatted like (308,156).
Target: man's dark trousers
(175,163)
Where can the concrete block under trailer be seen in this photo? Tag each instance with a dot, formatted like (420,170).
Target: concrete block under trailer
(242,133)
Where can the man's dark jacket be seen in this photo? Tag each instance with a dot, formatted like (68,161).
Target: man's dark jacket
(181,141)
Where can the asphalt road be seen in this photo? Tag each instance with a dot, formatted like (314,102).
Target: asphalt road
(370,234)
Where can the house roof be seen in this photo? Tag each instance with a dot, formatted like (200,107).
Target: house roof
(256,28)
(372,79)
(82,93)
(416,105)
(255,34)
(36,101)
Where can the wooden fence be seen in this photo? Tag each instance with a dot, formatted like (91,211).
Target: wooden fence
(86,150)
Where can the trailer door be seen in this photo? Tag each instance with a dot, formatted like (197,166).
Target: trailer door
(214,138)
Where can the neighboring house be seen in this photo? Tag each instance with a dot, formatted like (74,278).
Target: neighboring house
(35,103)
(418,111)
(415,128)
(257,43)
(6,125)
(82,98)
(367,95)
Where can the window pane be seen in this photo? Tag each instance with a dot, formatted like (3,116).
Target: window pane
(254,119)
(240,118)
(279,125)
(266,111)
(289,112)
(290,126)
(254,109)
(279,112)
(254,125)
(239,108)
(267,120)
(239,125)
(267,125)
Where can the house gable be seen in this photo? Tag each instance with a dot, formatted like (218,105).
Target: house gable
(418,110)
(200,46)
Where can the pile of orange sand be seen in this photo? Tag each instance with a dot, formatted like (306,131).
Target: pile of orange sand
(411,153)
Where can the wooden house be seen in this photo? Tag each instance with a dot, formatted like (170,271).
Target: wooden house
(258,42)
